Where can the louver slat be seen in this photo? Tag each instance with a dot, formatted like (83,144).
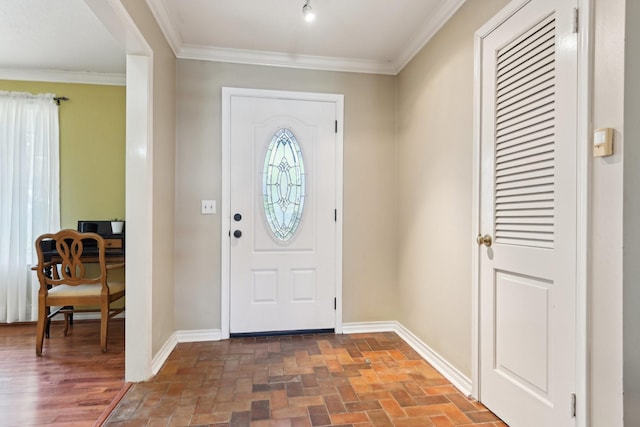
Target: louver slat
(539,173)
(543,205)
(523,144)
(538,189)
(523,184)
(526,122)
(526,220)
(525,139)
(530,160)
(526,152)
(514,173)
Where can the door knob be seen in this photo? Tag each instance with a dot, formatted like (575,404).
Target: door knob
(237,217)
(484,240)
(237,234)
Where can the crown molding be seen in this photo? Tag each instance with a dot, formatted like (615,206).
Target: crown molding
(431,27)
(171,33)
(278,59)
(281,59)
(57,76)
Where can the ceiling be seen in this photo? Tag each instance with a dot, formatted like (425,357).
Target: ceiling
(374,36)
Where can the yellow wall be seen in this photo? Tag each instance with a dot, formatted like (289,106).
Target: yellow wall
(92,148)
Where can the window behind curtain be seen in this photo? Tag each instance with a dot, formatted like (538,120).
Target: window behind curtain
(29,195)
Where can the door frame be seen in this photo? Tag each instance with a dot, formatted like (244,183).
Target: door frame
(225,211)
(583,179)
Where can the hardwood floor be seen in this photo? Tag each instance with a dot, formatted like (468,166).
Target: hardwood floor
(358,380)
(72,384)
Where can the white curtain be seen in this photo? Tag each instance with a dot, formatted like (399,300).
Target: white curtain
(29,195)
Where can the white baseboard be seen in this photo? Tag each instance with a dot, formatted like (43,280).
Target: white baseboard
(92,316)
(457,378)
(450,372)
(369,327)
(162,355)
(197,335)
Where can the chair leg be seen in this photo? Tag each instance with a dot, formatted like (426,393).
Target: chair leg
(104,325)
(67,316)
(43,322)
(47,328)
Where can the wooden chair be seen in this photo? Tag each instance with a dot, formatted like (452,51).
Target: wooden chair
(66,283)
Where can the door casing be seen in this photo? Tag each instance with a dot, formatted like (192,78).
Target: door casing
(583,177)
(225,211)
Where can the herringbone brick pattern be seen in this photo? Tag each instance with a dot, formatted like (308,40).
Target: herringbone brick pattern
(359,380)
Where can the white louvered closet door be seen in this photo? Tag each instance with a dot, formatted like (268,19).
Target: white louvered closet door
(528,208)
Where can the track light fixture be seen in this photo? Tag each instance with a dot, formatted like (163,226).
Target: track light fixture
(307,11)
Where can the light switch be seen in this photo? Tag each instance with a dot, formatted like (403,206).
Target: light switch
(208,207)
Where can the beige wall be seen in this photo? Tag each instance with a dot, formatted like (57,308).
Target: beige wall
(162,252)
(606,218)
(631,218)
(92,148)
(370,203)
(435,148)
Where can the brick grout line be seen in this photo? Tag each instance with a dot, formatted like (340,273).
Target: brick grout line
(366,380)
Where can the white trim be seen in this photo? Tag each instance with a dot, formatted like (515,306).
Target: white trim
(450,372)
(197,335)
(225,211)
(279,59)
(475,219)
(57,76)
(340,208)
(163,354)
(162,16)
(438,19)
(369,327)
(225,273)
(139,213)
(583,191)
(457,378)
(94,316)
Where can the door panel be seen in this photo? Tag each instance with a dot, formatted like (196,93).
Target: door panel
(528,207)
(282,271)
(522,358)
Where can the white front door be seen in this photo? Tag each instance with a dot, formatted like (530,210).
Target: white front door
(527,252)
(283,222)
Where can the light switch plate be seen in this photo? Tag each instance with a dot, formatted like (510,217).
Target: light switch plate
(602,142)
(208,207)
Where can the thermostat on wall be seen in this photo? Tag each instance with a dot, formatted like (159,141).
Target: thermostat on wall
(602,142)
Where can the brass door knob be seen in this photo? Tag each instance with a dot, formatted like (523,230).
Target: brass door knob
(484,240)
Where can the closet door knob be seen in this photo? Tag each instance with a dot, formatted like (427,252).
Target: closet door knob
(484,240)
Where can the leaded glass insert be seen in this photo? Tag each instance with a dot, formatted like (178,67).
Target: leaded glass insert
(283,185)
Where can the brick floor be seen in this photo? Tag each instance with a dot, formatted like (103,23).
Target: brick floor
(357,380)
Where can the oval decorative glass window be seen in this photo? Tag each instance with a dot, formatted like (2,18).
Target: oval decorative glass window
(283,185)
